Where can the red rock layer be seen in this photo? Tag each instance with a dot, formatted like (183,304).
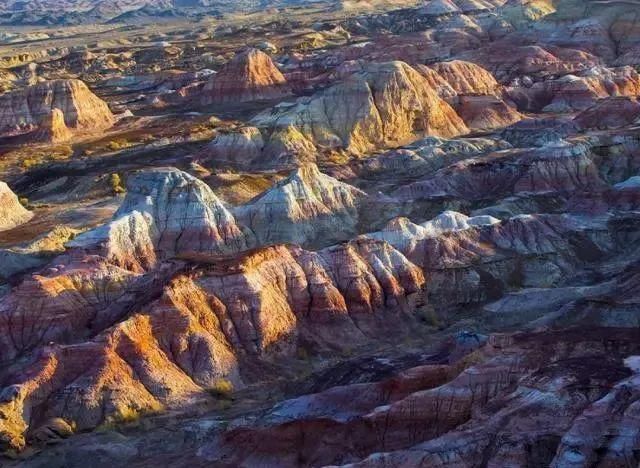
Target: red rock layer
(249,76)
(27,109)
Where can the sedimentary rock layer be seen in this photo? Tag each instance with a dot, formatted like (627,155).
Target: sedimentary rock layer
(29,108)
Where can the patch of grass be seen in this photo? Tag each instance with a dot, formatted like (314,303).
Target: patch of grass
(127,417)
(73,425)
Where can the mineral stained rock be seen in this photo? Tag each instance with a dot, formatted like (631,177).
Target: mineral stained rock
(385,104)
(12,213)
(41,104)
(249,76)
(311,234)
(305,208)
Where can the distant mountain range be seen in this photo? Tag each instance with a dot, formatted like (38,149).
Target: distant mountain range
(70,12)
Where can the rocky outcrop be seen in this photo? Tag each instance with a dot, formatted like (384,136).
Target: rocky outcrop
(576,92)
(474,259)
(52,130)
(12,213)
(210,321)
(559,167)
(486,112)
(202,327)
(306,208)
(467,78)
(164,336)
(473,92)
(386,104)
(36,253)
(397,104)
(404,235)
(610,113)
(35,106)
(461,410)
(422,157)
(241,147)
(250,76)
(166,213)
(437,82)
(520,64)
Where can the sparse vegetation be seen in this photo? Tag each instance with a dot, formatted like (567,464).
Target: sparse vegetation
(119,144)
(126,415)
(223,405)
(221,389)
(36,157)
(429,317)
(72,425)
(115,181)
(29,163)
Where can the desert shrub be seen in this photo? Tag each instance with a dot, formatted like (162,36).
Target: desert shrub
(28,163)
(428,316)
(221,389)
(115,182)
(116,145)
(126,416)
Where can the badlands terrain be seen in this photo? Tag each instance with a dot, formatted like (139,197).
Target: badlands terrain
(320,233)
